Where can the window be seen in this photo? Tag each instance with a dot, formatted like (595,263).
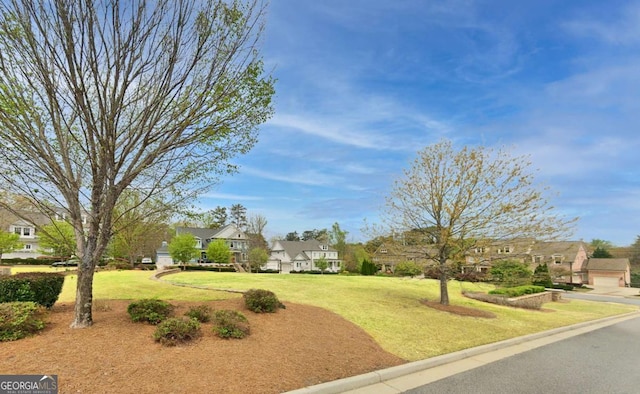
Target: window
(324,247)
(17,230)
(537,259)
(504,249)
(26,231)
(480,249)
(383,250)
(557,259)
(27,246)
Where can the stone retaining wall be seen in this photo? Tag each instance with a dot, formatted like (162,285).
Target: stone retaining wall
(529,301)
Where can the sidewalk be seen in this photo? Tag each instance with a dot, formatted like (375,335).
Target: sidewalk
(411,375)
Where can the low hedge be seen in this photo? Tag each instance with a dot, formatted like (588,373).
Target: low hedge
(45,260)
(203,268)
(517,291)
(315,272)
(40,287)
(19,319)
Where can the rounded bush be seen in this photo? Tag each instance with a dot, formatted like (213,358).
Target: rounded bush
(201,313)
(173,331)
(408,268)
(230,324)
(261,301)
(19,319)
(40,287)
(152,311)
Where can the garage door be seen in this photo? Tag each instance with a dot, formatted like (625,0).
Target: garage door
(602,281)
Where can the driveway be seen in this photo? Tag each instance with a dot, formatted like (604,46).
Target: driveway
(615,291)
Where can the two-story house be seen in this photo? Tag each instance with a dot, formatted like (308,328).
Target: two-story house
(233,236)
(26,229)
(288,256)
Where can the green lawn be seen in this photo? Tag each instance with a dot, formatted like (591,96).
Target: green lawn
(388,309)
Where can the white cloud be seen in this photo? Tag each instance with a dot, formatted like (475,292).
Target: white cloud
(231,197)
(623,29)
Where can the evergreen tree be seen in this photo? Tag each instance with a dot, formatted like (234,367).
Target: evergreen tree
(601,253)
(541,276)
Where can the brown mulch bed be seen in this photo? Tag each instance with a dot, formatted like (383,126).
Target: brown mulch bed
(458,310)
(293,348)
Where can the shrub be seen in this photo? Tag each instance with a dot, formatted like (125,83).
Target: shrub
(201,313)
(119,265)
(173,331)
(511,273)
(517,291)
(152,311)
(230,324)
(432,272)
(470,276)
(261,301)
(541,276)
(408,268)
(40,287)
(19,319)
(368,268)
(562,287)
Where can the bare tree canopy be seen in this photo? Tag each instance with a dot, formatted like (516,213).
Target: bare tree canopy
(456,200)
(100,96)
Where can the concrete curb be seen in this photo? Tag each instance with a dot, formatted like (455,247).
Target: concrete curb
(371,378)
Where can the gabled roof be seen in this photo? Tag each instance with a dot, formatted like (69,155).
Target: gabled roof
(549,248)
(294,248)
(230,231)
(607,264)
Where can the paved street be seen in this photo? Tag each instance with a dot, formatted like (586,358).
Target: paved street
(602,361)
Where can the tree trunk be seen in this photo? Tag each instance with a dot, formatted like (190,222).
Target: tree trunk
(444,291)
(84,297)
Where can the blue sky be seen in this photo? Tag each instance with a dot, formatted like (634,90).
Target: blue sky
(364,84)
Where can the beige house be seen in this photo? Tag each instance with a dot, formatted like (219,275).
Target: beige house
(608,272)
(568,261)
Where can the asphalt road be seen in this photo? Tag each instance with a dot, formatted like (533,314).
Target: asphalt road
(601,361)
(602,298)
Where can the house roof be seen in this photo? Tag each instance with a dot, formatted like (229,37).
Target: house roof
(549,248)
(230,231)
(294,248)
(607,264)
(30,218)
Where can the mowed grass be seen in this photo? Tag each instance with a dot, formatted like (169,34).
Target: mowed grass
(389,309)
(127,285)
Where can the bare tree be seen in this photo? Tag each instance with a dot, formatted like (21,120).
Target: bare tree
(100,96)
(138,226)
(256,223)
(461,199)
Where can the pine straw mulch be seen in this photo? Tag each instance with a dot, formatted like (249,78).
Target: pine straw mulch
(296,347)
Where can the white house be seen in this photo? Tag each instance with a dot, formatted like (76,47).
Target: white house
(288,256)
(233,236)
(26,229)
